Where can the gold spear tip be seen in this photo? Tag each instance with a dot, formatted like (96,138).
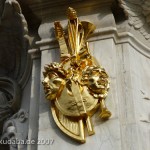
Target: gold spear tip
(71,13)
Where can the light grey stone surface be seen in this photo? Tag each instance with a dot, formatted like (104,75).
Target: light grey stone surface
(107,134)
(120,48)
(34,104)
(123,56)
(138,11)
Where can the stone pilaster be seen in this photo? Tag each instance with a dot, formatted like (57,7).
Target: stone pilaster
(34,99)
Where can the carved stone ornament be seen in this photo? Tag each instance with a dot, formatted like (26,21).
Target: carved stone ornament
(77,86)
(14,62)
(138,13)
(12,130)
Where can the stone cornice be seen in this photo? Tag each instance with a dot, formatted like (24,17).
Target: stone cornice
(101,19)
(47,8)
(34,53)
(101,34)
(50,11)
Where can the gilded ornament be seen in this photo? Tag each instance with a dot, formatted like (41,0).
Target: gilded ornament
(77,86)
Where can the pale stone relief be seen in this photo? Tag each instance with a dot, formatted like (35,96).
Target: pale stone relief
(138,13)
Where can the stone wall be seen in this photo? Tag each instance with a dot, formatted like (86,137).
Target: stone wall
(120,46)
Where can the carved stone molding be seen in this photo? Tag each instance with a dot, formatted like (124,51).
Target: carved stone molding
(51,9)
(15,67)
(10,95)
(138,14)
(105,33)
(34,53)
(13,129)
(102,18)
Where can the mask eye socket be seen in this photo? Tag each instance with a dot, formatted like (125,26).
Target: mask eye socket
(91,80)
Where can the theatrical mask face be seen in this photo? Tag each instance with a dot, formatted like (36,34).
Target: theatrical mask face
(52,86)
(96,79)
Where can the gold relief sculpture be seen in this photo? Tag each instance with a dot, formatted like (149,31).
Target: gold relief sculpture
(77,86)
